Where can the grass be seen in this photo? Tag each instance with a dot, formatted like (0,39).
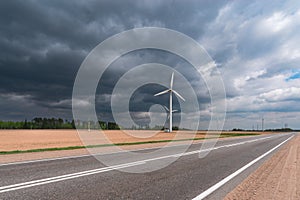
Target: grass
(120,144)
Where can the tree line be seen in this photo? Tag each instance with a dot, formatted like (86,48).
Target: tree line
(57,123)
(271,130)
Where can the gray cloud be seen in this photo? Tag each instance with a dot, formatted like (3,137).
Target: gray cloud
(255,46)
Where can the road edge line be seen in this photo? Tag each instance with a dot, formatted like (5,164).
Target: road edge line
(231,176)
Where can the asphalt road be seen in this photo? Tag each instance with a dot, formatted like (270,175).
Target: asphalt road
(186,178)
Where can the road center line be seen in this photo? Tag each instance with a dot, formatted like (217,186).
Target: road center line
(66,177)
(87,155)
(231,176)
(110,168)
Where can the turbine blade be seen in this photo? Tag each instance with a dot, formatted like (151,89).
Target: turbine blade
(166,108)
(177,94)
(174,111)
(163,92)
(171,83)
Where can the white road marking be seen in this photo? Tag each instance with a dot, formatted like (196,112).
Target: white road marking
(106,169)
(231,176)
(89,155)
(65,177)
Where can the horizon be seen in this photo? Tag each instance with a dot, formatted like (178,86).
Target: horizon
(97,126)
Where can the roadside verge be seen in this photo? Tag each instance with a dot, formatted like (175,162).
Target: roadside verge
(277,178)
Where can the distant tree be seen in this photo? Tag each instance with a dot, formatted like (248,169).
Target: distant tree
(238,129)
(26,125)
(102,125)
(73,124)
(113,126)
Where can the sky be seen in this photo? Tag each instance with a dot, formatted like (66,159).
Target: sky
(254,44)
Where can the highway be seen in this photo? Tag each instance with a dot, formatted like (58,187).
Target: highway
(84,177)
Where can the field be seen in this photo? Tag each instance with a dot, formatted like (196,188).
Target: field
(36,139)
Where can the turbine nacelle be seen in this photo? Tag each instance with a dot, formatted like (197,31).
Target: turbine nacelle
(171,89)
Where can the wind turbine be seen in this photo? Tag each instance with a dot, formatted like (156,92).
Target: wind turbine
(170,91)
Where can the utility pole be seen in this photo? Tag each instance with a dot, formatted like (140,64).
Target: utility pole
(262,124)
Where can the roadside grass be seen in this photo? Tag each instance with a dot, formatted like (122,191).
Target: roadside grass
(223,135)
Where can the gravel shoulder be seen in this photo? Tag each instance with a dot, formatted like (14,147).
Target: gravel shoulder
(277,178)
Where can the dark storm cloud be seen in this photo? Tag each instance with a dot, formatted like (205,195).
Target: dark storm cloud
(43,43)
(142,99)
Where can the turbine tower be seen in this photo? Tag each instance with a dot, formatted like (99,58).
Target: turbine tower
(170,91)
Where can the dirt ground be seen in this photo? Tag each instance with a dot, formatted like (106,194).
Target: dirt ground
(278,178)
(35,139)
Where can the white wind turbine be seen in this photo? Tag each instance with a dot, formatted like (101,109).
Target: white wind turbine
(171,91)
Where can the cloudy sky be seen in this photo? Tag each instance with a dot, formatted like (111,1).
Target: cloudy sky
(255,45)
